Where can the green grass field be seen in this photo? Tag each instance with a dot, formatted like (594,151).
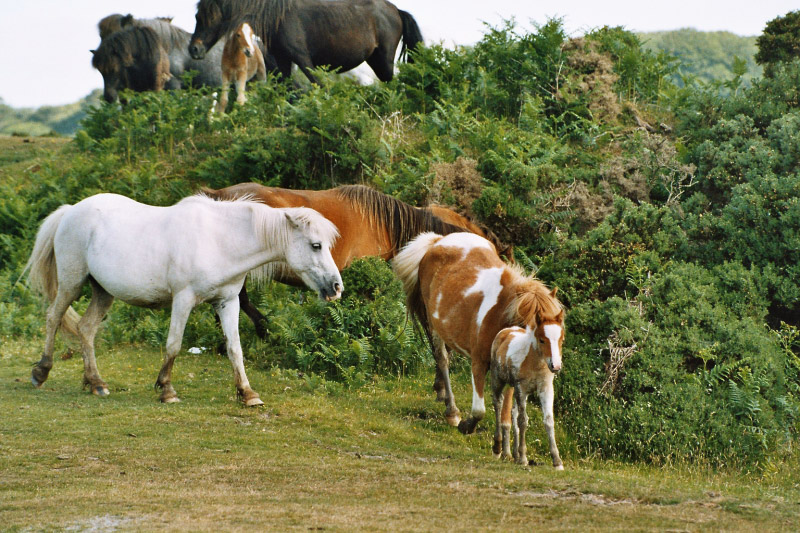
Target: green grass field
(315,457)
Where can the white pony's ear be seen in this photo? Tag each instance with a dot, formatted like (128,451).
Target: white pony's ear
(291,220)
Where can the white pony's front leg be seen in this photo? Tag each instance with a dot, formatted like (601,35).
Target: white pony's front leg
(182,305)
(546,400)
(228,312)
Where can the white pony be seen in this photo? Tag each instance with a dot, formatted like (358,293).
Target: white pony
(198,250)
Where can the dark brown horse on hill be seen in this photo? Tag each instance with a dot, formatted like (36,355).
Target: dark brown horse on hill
(340,34)
(133,58)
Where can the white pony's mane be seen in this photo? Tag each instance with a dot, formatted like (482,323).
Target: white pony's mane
(273,228)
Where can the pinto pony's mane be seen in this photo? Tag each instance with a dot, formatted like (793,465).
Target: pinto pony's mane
(269,223)
(403,222)
(263,16)
(533,301)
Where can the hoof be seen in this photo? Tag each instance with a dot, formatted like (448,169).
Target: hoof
(454,420)
(36,383)
(560,467)
(496,455)
(100,390)
(467,427)
(253,402)
(170,399)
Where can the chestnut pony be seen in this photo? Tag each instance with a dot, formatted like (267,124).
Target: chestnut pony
(241,60)
(461,290)
(370,223)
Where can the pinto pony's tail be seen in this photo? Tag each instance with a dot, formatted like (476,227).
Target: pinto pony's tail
(43,275)
(406,267)
(412,36)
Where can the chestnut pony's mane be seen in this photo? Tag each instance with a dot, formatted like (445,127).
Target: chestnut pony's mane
(403,222)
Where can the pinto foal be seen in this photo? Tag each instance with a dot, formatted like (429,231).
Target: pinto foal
(520,361)
(241,60)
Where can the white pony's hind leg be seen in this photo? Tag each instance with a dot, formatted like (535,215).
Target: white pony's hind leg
(182,304)
(87,329)
(228,313)
(67,293)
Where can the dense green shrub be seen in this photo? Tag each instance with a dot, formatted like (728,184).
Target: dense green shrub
(667,217)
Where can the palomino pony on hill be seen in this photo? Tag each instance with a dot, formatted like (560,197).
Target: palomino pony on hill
(241,60)
(340,34)
(370,223)
(460,288)
(198,250)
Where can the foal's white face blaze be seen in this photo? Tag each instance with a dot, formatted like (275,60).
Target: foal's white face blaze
(488,284)
(247,33)
(553,334)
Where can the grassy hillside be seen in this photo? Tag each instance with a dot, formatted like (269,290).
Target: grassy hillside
(46,120)
(379,458)
(667,216)
(706,55)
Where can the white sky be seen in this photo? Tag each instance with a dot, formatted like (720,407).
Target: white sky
(44,44)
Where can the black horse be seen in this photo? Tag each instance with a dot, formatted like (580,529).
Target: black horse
(132,58)
(340,34)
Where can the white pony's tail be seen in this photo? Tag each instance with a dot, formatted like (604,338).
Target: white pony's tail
(43,276)
(406,263)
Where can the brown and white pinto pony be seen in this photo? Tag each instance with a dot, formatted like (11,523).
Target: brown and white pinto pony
(370,223)
(462,292)
(241,60)
(519,361)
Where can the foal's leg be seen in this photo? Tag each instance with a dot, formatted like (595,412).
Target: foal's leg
(228,312)
(55,312)
(87,329)
(521,396)
(479,369)
(182,304)
(546,401)
(442,382)
(241,80)
(499,408)
(506,421)
(223,93)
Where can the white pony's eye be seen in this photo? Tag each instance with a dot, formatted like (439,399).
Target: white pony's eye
(316,246)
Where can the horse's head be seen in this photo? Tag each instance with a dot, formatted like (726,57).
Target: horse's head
(543,315)
(208,28)
(309,251)
(112,69)
(245,40)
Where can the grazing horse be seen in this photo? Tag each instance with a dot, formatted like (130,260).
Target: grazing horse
(198,250)
(370,223)
(521,362)
(241,60)
(174,41)
(133,58)
(460,289)
(340,34)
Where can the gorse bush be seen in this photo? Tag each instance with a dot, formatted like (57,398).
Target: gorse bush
(668,217)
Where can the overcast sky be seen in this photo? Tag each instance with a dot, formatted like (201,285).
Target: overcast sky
(44,44)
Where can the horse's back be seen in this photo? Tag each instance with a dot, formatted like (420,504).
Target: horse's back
(461,285)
